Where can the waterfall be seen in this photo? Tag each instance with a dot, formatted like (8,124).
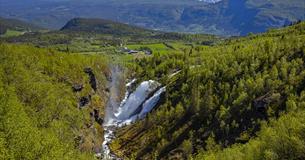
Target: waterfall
(135,105)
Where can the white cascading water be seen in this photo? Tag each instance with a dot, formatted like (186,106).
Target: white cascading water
(146,108)
(135,99)
(134,106)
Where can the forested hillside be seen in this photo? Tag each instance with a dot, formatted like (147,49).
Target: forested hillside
(222,98)
(89,35)
(49,107)
(14,27)
(103,26)
(242,99)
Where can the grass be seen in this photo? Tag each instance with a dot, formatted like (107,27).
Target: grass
(161,48)
(12,33)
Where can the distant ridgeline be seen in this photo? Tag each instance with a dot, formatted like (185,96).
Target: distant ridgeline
(99,35)
(210,1)
(102,26)
(16,25)
(242,99)
(222,17)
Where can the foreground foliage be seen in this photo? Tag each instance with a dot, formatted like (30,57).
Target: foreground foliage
(39,115)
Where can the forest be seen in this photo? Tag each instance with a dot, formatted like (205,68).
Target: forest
(226,98)
(240,99)
(40,117)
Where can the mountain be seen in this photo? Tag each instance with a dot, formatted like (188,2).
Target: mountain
(226,17)
(93,34)
(102,26)
(16,25)
(101,88)
(210,1)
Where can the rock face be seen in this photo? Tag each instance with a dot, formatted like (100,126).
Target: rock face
(90,138)
(77,87)
(261,103)
(84,101)
(92,78)
(97,117)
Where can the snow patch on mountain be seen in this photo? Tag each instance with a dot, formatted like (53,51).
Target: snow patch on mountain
(210,1)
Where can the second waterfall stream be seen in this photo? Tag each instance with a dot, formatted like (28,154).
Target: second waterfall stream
(140,99)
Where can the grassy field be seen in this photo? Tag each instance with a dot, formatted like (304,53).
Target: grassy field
(162,48)
(12,33)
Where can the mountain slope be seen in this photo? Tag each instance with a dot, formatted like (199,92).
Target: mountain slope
(222,97)
(227,17)
(102,26)
(17,25)
(41,113)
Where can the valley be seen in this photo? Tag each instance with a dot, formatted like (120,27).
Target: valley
(226,17)
(101,89)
